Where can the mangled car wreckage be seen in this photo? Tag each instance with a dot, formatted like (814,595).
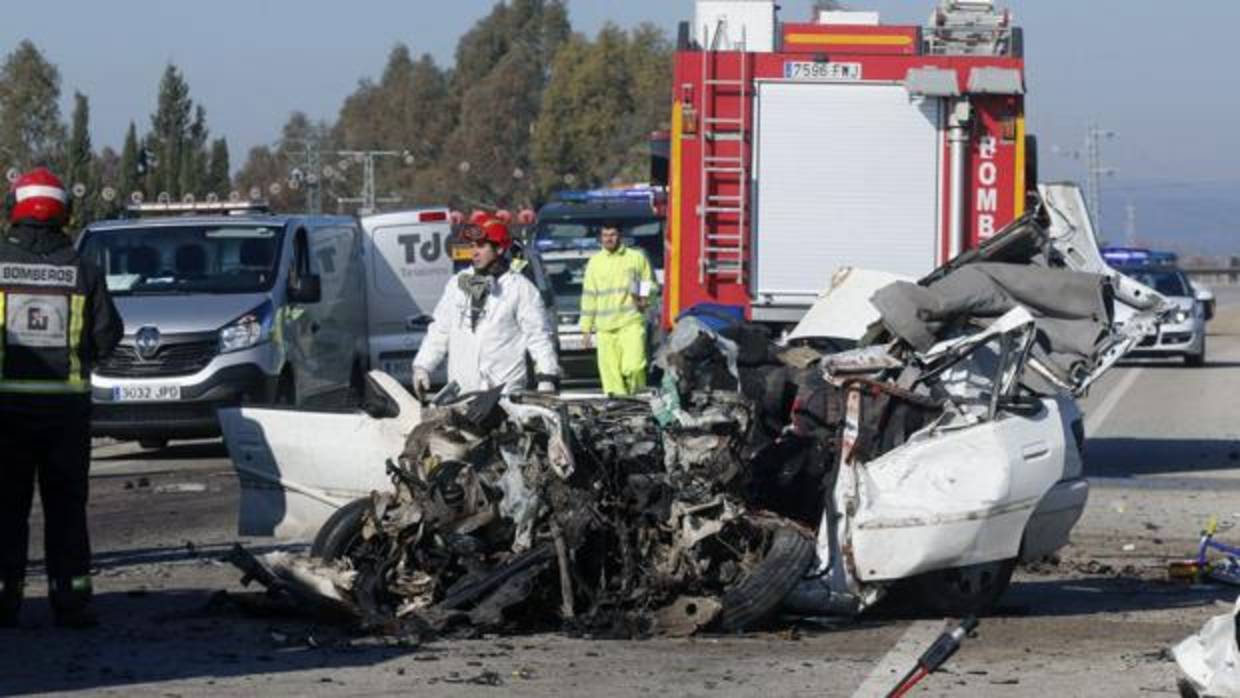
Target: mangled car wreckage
(906,436)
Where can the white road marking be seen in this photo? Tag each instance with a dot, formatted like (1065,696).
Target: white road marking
(899,659)
(1095,420)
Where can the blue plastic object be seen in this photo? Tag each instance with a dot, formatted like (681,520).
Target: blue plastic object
(716,316)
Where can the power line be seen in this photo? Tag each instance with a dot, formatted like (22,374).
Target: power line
(1094,169)
(368,200)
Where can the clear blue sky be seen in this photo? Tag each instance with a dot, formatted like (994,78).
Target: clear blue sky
(1162,74)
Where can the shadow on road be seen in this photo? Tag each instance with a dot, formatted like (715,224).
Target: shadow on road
(1165,364)
(1090,596)
(1129,457)
(108,560)
(187,451)
(170,636)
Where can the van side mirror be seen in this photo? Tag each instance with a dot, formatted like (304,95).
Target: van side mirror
(305,289)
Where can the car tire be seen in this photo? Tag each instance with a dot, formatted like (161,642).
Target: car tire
(341,533)
(1197,360)
(286,390)
(962,591)
(759,594)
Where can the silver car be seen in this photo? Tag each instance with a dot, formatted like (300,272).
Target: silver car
(1182,333)
(226,310)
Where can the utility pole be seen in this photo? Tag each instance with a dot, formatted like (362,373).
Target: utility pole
(1095,170)
(1130,228)
(369,200)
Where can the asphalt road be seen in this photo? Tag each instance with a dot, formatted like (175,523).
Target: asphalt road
(1163,455)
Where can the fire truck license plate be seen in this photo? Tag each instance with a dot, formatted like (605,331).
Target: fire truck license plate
(831,72)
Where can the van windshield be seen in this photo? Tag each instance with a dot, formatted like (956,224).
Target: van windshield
(169,260)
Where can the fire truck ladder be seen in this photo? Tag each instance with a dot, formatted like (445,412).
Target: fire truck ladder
(724,217)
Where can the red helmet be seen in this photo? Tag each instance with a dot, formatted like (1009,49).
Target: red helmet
(491,231)
(38,195)
(479,217)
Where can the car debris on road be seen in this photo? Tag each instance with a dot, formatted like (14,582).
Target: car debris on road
(927,457)
(1210,659)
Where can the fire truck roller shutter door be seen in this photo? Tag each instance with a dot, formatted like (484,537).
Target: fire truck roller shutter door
(847,175)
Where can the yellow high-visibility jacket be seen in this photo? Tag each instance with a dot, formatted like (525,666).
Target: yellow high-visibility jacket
(613,283)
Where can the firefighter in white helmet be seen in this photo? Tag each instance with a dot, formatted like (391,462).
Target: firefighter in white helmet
(488,318)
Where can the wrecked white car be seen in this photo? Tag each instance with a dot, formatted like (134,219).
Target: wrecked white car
(921,436)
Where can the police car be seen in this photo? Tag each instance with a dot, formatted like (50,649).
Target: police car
(1183,332)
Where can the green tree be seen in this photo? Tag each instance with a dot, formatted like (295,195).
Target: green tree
(219,178)
(503,66)
(264,167)
(79,159)
(106,173)
(170,125)
(193,170)
(491,142)
(604,99)
(410,109)
(30,129)
(128,179)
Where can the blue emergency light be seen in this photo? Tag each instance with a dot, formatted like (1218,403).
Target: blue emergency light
(603,195)
(1137,257)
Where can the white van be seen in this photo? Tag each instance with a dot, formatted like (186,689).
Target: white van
(222,310)
(408,266)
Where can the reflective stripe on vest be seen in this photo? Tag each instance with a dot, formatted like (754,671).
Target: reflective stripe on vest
(77,310)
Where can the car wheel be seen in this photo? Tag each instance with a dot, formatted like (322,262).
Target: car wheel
(756,597)
(1197,360)
(962,591)
(341,533)
(286,390)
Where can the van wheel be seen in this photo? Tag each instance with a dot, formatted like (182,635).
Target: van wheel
(341,533)
(286,390)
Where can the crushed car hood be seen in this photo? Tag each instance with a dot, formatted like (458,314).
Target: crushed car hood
(1048,262)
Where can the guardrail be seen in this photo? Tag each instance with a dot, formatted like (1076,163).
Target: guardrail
(1227,275)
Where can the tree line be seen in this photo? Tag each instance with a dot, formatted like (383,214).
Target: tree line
(529,107)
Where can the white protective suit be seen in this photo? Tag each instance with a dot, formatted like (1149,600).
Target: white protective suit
(513,321)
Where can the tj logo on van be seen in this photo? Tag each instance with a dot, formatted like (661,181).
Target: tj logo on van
(415,248)
(147,343)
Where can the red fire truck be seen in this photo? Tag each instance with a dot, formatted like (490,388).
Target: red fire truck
(800,148)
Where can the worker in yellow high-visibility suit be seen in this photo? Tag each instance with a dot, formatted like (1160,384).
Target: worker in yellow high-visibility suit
(616,291)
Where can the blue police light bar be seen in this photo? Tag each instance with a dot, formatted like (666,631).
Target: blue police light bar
(602,195)
(546,244)
(1132,256)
